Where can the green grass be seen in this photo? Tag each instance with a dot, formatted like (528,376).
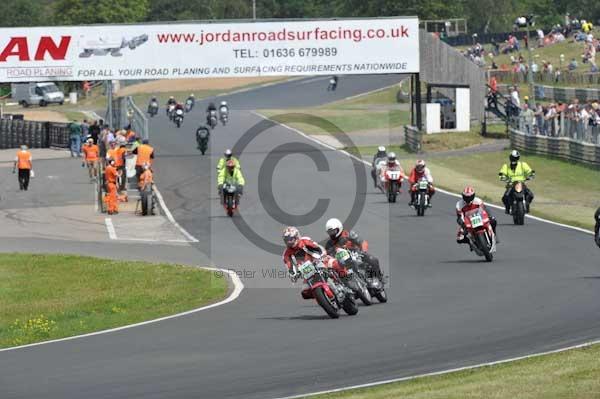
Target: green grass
(570,374)
(383,97)
(316,120)
(458,140)
(47,297)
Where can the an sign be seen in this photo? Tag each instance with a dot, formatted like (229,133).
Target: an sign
(310,47)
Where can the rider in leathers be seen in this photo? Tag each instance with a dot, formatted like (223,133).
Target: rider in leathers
(597,227)
(381,154)
(468,203)
(304,248)
(338,238)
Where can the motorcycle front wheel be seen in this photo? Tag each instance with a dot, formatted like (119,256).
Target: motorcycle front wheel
(324,302)
(482,243)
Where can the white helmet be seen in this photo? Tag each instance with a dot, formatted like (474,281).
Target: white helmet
(228,153)
(381,148)
(334,227)
(223,103)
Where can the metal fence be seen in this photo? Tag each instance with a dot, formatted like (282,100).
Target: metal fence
(564,125)
(125,112)
(413,138)
(565,77)
(34,134)
(565,94)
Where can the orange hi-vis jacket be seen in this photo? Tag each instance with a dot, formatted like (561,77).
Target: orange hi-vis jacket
(23,160)
(144,152)
(146,178)
(111,174)
(118,154)
(90,152)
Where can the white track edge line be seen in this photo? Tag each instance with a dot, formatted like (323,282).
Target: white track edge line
(112,234)
(540,219)
(183,231)
(443,372)
(237,290)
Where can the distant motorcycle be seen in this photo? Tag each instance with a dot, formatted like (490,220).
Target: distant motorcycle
(202,136)
(482,238)
(212,119)
(178,118)
(170,111)
(332,84)
(422,196)
(224,115)
(153,108)
(189,104)
(326,287)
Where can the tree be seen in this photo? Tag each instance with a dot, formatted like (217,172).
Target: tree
(76,12)
(20,13)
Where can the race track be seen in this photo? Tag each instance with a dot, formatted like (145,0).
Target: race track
(447,308)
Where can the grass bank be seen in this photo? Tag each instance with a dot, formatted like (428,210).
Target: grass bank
(564,192)
(570,374)
(47,297)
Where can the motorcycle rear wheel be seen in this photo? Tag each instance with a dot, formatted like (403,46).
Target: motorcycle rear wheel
(326,303)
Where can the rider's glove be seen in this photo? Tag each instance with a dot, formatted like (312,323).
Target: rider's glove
(293,275)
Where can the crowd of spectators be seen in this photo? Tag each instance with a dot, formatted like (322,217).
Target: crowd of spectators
(574,29)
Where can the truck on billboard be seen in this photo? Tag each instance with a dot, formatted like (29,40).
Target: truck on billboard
(193,50)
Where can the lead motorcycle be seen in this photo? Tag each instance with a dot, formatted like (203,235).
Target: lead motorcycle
(326,287)
(518,204)
(230,198)
(482,238)
(212,119)
(224,115)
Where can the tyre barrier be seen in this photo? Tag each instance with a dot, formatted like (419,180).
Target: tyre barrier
(34,134)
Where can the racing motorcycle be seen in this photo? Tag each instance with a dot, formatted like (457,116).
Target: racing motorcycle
(202,135)
(422,196)
(326,287)
(392,183)
(212,119)
(518,205)
(178,118)
(188,105)
(230,198)
(378,163)
(153,108)
(224,115)
(482,238)
(170,111)
(332,85)
(356,281)
(374,283)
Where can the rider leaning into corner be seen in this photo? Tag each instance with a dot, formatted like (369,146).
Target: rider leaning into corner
(517,172)
(303,249)
(468,203)
(417,173)
(340,238)
(381,154)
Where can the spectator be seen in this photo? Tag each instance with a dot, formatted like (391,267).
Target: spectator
(539,118)
(528,117)
(572,65)
(95,131)
(515,101)
(75,138)
(24,165)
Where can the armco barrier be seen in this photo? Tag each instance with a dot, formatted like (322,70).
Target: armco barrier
(560,147)
(34,134)
(565,94)
(413,138)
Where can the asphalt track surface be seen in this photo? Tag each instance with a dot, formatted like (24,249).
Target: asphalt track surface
(447,308)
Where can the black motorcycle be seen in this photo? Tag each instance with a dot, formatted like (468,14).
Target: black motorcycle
(518,200)
(374,283)
(153,108)
(202,136)
(421,196)
(212,119)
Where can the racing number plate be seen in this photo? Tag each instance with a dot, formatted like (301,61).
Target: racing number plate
(423,184)
(393,175)
(476,221)
(307,269)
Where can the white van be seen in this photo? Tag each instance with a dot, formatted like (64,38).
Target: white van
(41,94)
